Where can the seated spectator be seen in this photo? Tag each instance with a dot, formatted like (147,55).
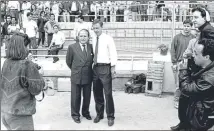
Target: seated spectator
(57,42)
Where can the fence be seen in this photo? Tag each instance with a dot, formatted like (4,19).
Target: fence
(141,36)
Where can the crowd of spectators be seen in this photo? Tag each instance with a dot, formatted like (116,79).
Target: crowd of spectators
(108,11)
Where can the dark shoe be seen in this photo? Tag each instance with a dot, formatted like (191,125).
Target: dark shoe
(179,127)
(77,120)
(88,117)
(110,122)
(97,119)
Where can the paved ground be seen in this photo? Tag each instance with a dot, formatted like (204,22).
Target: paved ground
(133,111)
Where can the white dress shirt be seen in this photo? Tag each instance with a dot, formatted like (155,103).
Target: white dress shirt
(107,52)
(81,45)
(58,38)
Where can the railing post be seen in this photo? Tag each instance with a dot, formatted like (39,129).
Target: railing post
(173,21)
(132,64)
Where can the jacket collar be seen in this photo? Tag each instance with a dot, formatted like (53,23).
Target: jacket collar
(203,26)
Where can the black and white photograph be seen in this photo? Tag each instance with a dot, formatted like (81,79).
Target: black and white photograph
(107,65)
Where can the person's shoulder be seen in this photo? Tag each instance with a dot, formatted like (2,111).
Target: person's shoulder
(107,35)
(208,76)
(71,46)
(177,36)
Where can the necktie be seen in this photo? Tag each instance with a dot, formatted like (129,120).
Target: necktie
(84,51)
(96,51)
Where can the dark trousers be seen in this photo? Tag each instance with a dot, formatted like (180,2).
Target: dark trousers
(72,18)
(182,109)
(92,17)
(41,38)
(50,37)
(76,99)
(55,51)
(33,45)
(15,122)
(102,80)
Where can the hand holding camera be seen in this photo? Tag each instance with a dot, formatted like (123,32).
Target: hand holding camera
(183,64)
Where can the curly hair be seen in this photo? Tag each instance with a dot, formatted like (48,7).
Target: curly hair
(208,47)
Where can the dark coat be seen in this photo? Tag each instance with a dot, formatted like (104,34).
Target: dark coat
(81,68)
(200,89)
(207,31)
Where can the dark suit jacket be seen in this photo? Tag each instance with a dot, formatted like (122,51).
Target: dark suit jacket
(81,68)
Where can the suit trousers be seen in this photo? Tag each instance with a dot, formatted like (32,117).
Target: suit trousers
(76,99)
(102,79)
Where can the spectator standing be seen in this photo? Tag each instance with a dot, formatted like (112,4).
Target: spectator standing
(92,11)
(151,10)
(3,10)
(85,11)
(13,27)
(75,9)
(41,23)
(66,11)
(113,13)
(48,27)
(5,33)
(55,10)
(26,7)
(143,7)
(47,13)
(5,26)
(14,8)
(120,14)
(81,24)
(183,12)
(35,12)
(179,45)
(31,28)
(134,10)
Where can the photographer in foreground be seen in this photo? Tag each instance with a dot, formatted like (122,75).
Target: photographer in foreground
(199,88)
(20,83)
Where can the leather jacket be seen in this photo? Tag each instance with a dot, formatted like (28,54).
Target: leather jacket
(200,89)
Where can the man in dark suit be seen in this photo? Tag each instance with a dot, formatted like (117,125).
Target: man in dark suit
(79,59)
